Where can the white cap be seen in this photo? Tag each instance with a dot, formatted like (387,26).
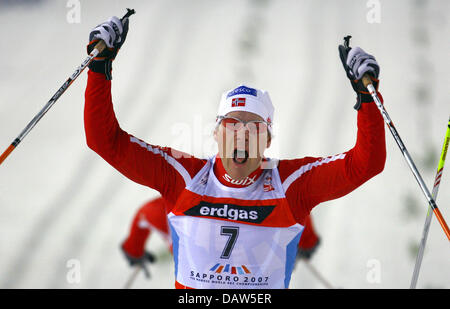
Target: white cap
(248,99)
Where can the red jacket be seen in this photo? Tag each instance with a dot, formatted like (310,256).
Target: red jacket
(308,181)
(153,215)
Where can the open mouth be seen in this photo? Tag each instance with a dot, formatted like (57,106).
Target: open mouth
(240,156)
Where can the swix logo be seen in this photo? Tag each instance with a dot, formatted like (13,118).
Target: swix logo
(241,270)
(252,214)
(238,102)
(242,182)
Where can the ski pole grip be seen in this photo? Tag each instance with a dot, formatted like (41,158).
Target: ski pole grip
(366,80)
(100,46)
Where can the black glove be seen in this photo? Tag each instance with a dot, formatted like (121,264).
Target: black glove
(306,254)
(113,32)
(356,63)
(141,261)
(146,257)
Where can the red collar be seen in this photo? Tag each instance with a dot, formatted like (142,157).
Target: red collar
(226,179)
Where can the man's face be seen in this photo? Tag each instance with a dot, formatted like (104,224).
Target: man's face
(241,148)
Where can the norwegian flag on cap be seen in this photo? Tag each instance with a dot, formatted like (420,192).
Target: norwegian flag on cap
(238,102)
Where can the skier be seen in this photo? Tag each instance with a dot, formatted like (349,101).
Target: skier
(152,215)
(236,218)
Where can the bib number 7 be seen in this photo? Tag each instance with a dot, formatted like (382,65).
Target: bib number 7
(232,232)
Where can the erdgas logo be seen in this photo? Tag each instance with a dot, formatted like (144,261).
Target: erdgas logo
(252,214)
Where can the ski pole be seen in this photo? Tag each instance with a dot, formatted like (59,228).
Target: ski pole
(437,181)
(135,273)
(132,278)
(318,275)
(99,47)
(367,82)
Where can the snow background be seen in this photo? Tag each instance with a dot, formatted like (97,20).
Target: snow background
(60,202)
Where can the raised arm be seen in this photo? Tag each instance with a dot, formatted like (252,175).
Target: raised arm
(310,181)
(163,169)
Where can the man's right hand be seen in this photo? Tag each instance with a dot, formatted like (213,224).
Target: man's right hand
(113,32)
